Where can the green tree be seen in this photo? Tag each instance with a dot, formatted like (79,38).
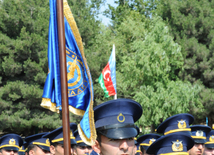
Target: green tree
(85,14)
(147,62)
(118,14)
(24,64)
(191,25)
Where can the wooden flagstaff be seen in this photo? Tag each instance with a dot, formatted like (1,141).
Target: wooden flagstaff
(63,75)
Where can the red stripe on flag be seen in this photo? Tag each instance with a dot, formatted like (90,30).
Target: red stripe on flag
(107,80)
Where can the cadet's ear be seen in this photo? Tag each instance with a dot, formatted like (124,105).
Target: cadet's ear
(31,152)
(52,149)
(96,147)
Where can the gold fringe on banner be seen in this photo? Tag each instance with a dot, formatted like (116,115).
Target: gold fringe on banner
(46,103)
(69,16)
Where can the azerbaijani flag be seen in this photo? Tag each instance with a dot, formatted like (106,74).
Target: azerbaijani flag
(107,78)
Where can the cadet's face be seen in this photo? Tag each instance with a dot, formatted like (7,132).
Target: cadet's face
(208,151)
(58,150)
(197,149)
(115,147)
(39,151)
(81,150)
(8,152)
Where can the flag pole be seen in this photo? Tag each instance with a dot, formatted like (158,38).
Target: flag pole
(115,96)
(63,76)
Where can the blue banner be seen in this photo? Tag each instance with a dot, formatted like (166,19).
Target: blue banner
(80,88)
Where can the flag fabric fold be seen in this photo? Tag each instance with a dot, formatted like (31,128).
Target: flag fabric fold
(80,88)
(107,78)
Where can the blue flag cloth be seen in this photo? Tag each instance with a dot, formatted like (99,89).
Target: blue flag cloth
(80,88)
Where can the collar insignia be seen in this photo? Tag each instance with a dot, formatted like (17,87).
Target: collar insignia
(152,141)
(12,141)
(177,146)
(121,118)
(199,133)
(211,139)
(182,124)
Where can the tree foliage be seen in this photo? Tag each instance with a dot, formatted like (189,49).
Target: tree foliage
(147,62)
(191,25)
(24,64)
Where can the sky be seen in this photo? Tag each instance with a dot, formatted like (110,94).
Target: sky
(106,20)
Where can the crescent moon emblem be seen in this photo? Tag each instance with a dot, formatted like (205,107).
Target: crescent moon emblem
(106,72)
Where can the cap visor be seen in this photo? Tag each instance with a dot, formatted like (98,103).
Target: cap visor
(11,148)
(119,133)
(210,146)
(46,148)
(199,141)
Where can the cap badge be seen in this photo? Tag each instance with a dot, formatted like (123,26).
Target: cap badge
(199,133)
(121,118)
(151,141)
(47,141)
(12,141)
(177,146)
(211,139)
(182,124)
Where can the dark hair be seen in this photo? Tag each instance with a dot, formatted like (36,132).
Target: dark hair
(99,137)
(31,147)
(55,144)
(142,149)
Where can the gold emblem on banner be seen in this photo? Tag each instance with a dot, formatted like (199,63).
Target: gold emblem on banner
(70,75)
(177,146)
(121,116)
(182,124)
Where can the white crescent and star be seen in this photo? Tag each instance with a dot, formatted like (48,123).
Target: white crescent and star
(104,75)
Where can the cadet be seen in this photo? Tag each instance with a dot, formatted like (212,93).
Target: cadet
(209,145)
(146,140)
(114,122)
(10,144)
(174,143)
(56,140)
(81,148)
(36,145)
(176,123)
(199,133)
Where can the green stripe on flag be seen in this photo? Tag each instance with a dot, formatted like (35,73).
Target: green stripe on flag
(102,84)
